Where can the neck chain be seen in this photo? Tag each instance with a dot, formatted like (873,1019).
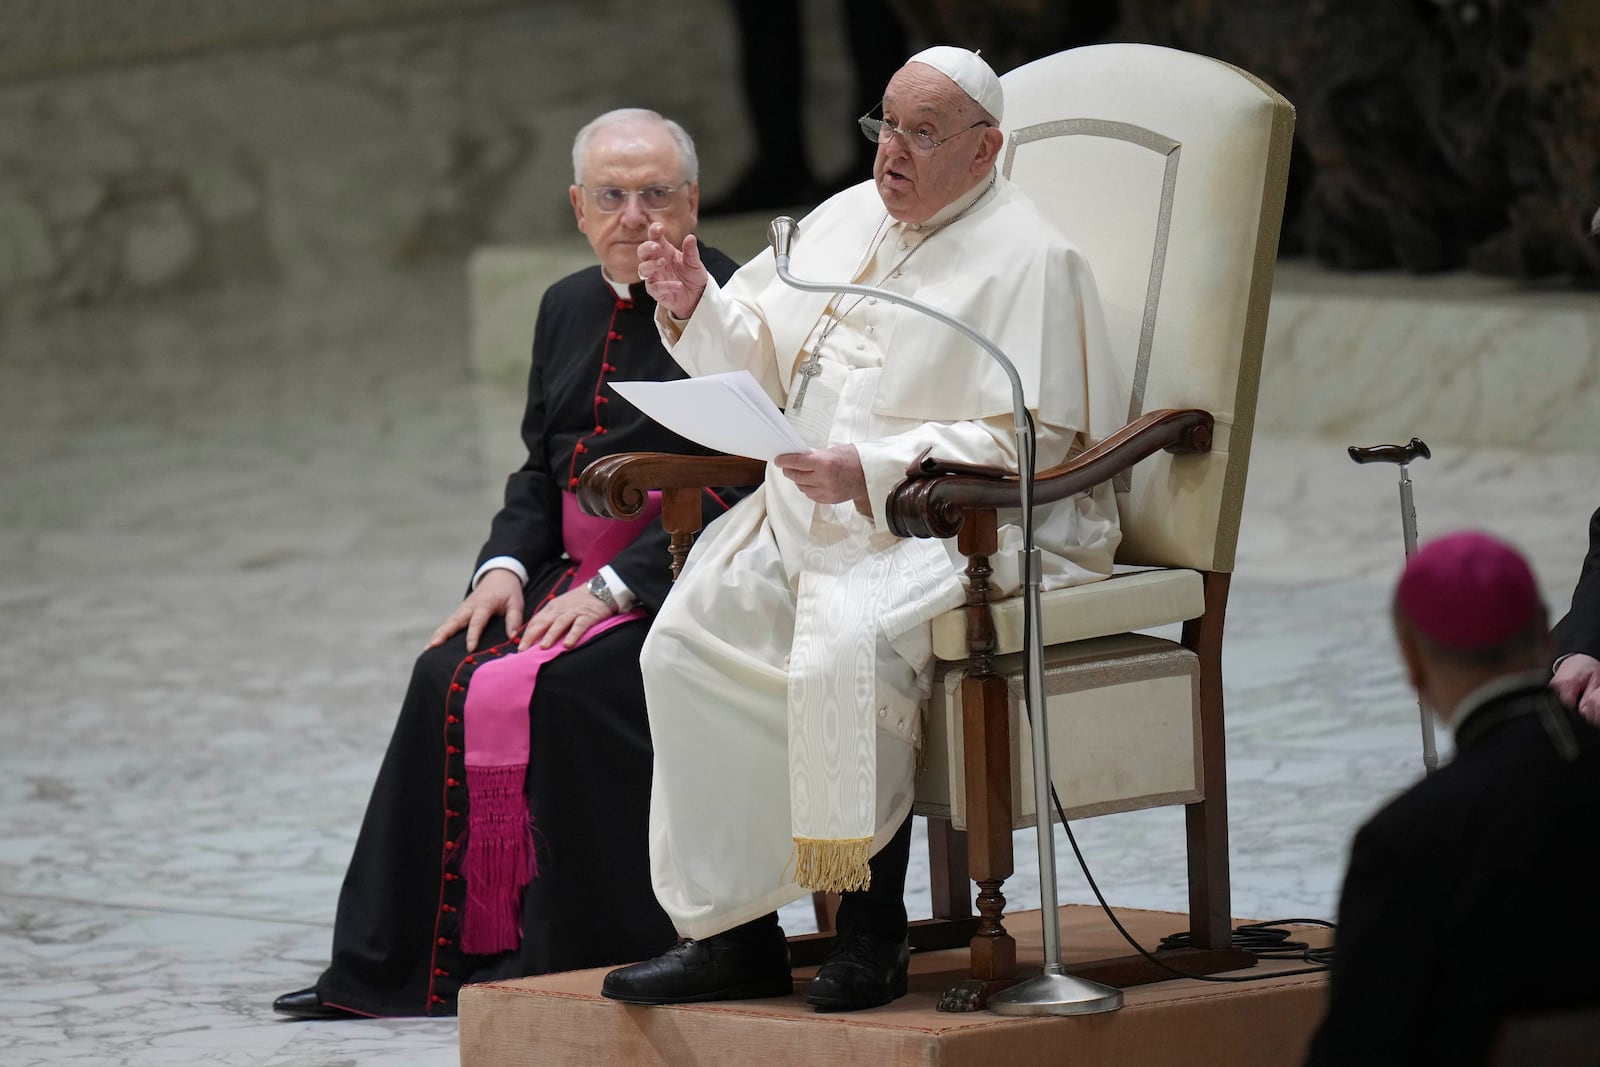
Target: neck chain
(810,367)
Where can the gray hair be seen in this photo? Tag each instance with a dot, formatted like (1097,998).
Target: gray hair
(624,116)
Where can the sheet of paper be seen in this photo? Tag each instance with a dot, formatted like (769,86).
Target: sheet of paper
(728,412)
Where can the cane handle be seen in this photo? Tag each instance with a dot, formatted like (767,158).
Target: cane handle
(1401,454)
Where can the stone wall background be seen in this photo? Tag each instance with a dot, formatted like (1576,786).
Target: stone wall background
(155,148)
(1431,135)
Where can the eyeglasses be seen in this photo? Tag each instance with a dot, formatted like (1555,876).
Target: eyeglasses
(609,199)
(880,130)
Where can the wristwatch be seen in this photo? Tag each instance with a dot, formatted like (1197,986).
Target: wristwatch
(602,592)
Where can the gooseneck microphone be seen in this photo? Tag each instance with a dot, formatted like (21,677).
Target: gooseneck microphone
(1054,992)
(780,235)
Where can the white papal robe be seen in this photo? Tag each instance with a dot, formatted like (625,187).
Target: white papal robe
(758,624)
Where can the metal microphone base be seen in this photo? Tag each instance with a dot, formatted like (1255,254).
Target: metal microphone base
(1056,994)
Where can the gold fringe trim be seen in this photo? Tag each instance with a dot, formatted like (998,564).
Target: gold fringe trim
(833,865)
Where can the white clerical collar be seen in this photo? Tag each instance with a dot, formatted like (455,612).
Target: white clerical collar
(958,206)
(619,288)
(1506,683)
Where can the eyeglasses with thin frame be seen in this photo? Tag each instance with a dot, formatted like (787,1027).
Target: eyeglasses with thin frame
(609,199)
(880,130)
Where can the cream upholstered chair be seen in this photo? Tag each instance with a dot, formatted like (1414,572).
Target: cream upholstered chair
(1168,169)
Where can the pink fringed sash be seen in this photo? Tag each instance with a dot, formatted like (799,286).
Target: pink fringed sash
(500,857)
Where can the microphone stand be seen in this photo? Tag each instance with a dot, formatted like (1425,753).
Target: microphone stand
(1054,992)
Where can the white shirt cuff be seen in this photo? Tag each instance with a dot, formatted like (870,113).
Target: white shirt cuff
(619,590)
(501,563)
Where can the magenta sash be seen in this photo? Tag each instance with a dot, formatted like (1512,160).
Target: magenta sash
(500,856)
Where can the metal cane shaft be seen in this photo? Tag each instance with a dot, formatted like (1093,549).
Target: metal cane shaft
(1408,513)
(1408,526)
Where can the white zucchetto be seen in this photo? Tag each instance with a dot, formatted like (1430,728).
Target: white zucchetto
(968,70)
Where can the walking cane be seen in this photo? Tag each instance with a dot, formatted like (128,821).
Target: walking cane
(1403,455)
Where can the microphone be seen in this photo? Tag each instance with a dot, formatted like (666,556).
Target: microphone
(780,235)
(1055,986)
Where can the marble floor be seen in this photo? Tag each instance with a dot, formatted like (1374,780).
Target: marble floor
(227,525)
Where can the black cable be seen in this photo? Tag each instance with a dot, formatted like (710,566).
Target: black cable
(1264,940)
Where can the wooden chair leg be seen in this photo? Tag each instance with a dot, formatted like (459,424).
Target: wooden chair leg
(1210,905)
(986,702)
(948,868)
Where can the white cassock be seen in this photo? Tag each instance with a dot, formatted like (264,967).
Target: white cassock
(786,672)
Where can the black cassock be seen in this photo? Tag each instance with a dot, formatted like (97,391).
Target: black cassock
(396,933)
(1460,893)
(1579,631)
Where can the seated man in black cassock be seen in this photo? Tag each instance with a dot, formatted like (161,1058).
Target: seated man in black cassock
(506,834)
(1462,911)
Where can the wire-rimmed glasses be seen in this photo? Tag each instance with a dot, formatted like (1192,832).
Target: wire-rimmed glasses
(880,130)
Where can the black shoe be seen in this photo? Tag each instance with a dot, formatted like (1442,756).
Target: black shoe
(717,968)
(862,970)
(305,1004)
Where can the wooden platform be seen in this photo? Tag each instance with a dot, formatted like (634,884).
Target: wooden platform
(562,1019)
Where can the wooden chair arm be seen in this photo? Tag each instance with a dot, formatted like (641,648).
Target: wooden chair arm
(930,502)
(615,487)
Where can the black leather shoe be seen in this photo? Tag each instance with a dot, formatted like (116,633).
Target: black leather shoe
(305,1004)
(862,970)
(714,969)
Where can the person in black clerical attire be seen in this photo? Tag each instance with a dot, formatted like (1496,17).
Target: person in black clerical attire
(506,834)
(1462,910)
(1577,636)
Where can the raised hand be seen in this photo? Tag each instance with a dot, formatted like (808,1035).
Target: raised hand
(674,277)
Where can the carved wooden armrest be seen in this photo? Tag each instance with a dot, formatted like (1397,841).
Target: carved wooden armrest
(930,502)
(616,487)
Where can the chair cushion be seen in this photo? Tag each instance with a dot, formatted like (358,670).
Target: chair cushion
(1136,600)
(1124,730)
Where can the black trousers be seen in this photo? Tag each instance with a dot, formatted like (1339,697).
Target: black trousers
(880,909)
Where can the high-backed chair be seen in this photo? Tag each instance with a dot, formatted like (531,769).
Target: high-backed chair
(1168,169)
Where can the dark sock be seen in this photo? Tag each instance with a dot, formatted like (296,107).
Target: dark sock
(881,909)
(757,931)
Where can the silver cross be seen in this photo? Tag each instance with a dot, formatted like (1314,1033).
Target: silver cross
(809,368)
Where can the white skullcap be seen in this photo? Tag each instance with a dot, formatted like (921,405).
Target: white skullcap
(968,70)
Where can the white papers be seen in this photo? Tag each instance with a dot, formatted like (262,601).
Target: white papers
(728,412)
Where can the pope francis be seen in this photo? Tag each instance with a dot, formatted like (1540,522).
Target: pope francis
(785,673)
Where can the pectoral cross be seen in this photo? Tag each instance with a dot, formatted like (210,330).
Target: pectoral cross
(809,368)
